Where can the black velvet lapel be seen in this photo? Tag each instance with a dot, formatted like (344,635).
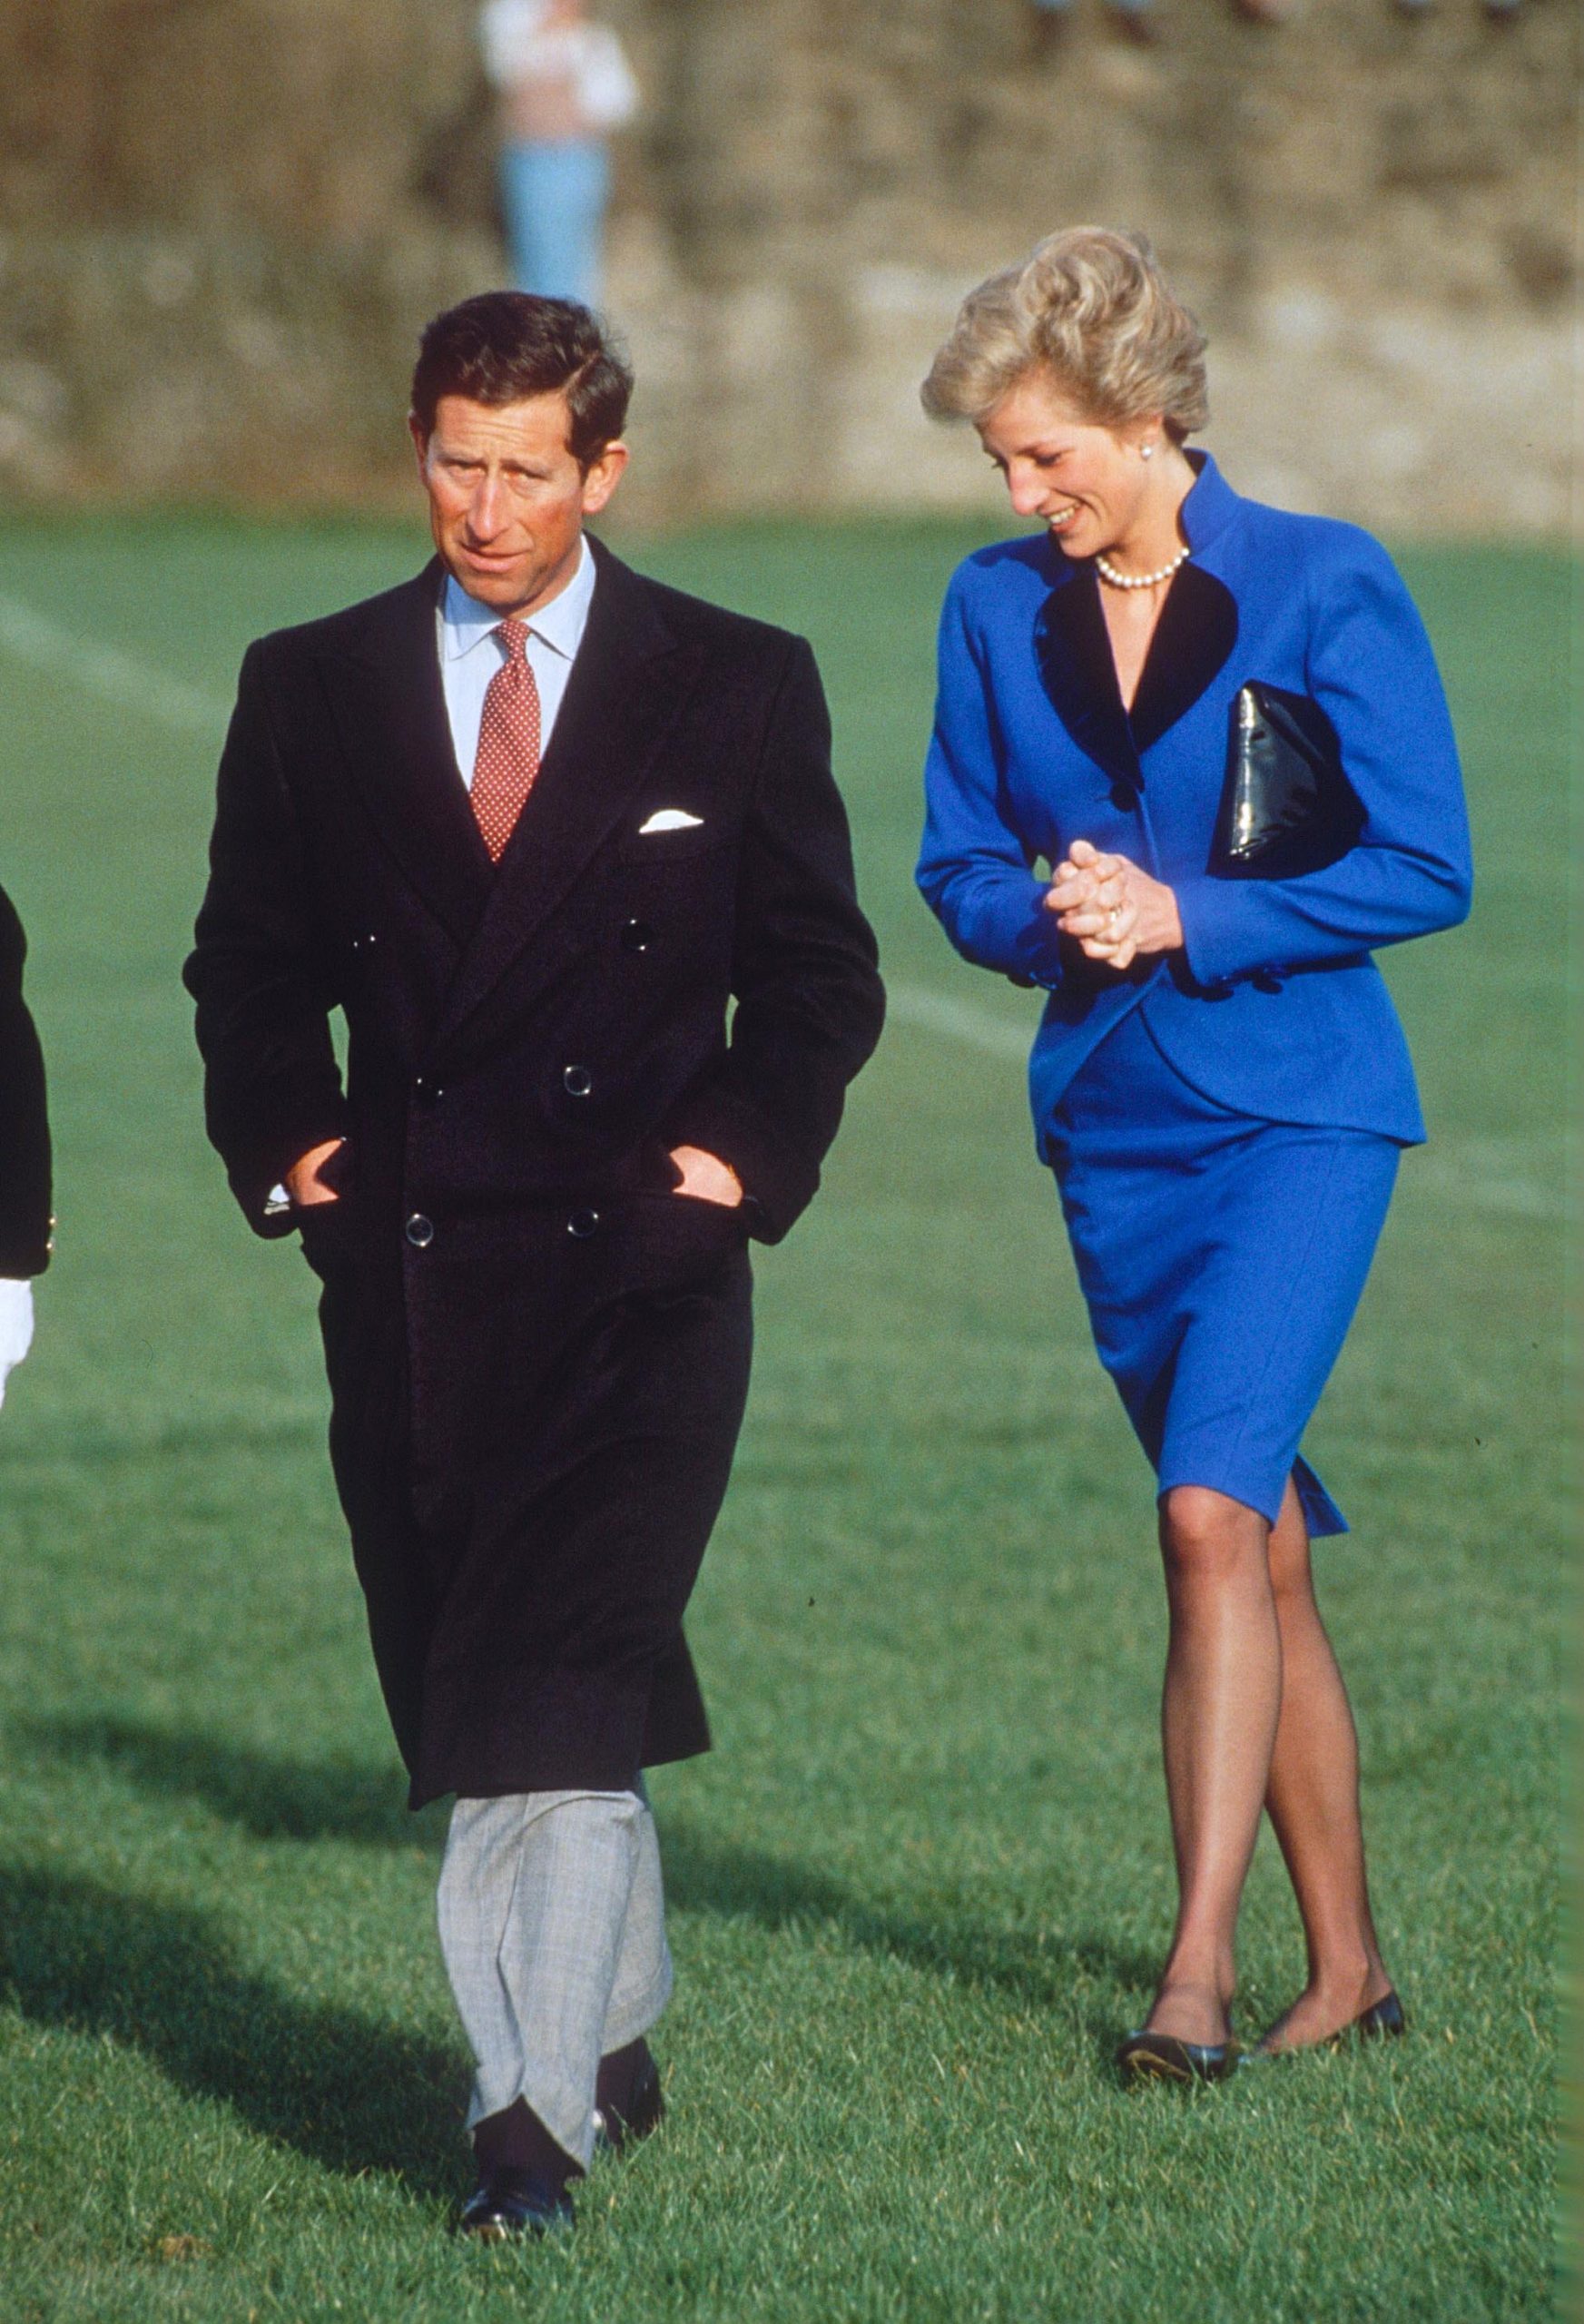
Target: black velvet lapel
(626,687)
(390,710)
(1193,642)
(1075,653)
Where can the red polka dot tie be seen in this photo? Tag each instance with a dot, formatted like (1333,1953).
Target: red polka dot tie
(509,742)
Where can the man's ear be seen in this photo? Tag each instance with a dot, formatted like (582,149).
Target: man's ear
(420,439)
(602,475)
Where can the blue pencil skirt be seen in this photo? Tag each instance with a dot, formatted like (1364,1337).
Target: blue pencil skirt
(1221,1258)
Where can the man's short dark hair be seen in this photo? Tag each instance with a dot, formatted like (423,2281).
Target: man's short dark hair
(507,345)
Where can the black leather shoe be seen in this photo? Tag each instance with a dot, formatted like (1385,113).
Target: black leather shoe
(622,2117)
(1161,2057)
(1384,2020)
(512,2203)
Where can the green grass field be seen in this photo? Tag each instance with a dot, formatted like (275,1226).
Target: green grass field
(920,1886)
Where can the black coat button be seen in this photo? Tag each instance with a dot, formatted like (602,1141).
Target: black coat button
(582,1224)
(576,1080)
(420,1231)
(637,936)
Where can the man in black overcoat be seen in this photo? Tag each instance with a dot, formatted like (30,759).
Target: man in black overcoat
(532,824)
(25,1151)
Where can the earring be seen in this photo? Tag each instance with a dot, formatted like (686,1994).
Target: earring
(1147,451)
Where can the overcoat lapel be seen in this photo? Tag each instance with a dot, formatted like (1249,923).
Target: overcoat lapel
(627,686)
(390,710)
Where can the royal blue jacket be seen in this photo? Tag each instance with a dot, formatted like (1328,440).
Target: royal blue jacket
(1274,1006)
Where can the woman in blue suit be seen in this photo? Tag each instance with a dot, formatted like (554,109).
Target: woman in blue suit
(1219,1080)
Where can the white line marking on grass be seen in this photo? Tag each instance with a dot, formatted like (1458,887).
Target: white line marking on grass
(1470,1173)
(959,1020)
(1480,1173)
(1475,1172)
(120,678)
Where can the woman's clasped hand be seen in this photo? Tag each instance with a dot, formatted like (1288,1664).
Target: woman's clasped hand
(1112,909)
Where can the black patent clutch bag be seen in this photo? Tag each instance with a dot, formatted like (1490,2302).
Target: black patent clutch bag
(1287,807)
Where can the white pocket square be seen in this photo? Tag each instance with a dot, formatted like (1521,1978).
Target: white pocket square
(670,819)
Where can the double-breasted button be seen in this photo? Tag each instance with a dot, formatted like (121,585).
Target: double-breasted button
(637,936)
(427,1090)
(576,1080)
(582,1224)
(420,1231)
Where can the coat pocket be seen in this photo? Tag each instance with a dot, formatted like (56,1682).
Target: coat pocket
(677,1238)
(325,1230)
(684,843)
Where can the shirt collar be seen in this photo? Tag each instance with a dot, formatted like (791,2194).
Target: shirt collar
(465,623)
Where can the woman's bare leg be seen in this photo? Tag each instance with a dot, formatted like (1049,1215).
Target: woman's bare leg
(1314,1804)
(1219,1714)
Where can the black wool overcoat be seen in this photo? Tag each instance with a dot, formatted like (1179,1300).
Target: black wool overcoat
(538,1352)
(25,1129)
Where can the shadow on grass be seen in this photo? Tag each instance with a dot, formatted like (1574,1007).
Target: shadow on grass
(353,2095)
(268,1795)
(273,1796)
(1040,1967)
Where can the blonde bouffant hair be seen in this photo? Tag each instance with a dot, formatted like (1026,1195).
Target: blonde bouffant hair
(1093,311)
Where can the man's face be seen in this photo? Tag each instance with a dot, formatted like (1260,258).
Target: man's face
(506,498)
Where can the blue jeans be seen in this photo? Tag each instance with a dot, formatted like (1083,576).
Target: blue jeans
(555,198)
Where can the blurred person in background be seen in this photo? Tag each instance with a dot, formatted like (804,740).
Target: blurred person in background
(1496,12)
(25,1151)
(534,823)
(1138,20)
(563,85)
(1221,726)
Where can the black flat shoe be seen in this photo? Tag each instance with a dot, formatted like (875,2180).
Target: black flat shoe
(511,2204)
(627,2105)
(1161,2057)
(1384,2021)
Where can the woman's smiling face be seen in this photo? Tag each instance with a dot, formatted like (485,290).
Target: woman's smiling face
(1085,483)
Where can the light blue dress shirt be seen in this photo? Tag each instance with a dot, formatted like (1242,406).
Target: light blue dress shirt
(471,654)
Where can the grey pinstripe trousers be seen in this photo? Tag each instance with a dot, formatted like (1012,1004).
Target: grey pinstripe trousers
(553,1928)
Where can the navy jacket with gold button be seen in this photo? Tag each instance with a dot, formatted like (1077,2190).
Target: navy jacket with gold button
(25,1133)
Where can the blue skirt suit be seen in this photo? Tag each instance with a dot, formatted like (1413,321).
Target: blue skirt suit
(1223,1122)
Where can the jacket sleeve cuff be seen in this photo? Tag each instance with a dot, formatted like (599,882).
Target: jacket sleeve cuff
(261,1165)
(1015,933)
(25,1254)
(777,1184)
(1215,917)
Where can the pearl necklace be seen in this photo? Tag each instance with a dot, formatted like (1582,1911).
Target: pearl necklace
(1108,572)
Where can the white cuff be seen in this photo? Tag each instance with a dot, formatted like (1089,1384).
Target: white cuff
(15,1326)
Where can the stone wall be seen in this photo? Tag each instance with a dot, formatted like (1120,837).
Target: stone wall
(222,222)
